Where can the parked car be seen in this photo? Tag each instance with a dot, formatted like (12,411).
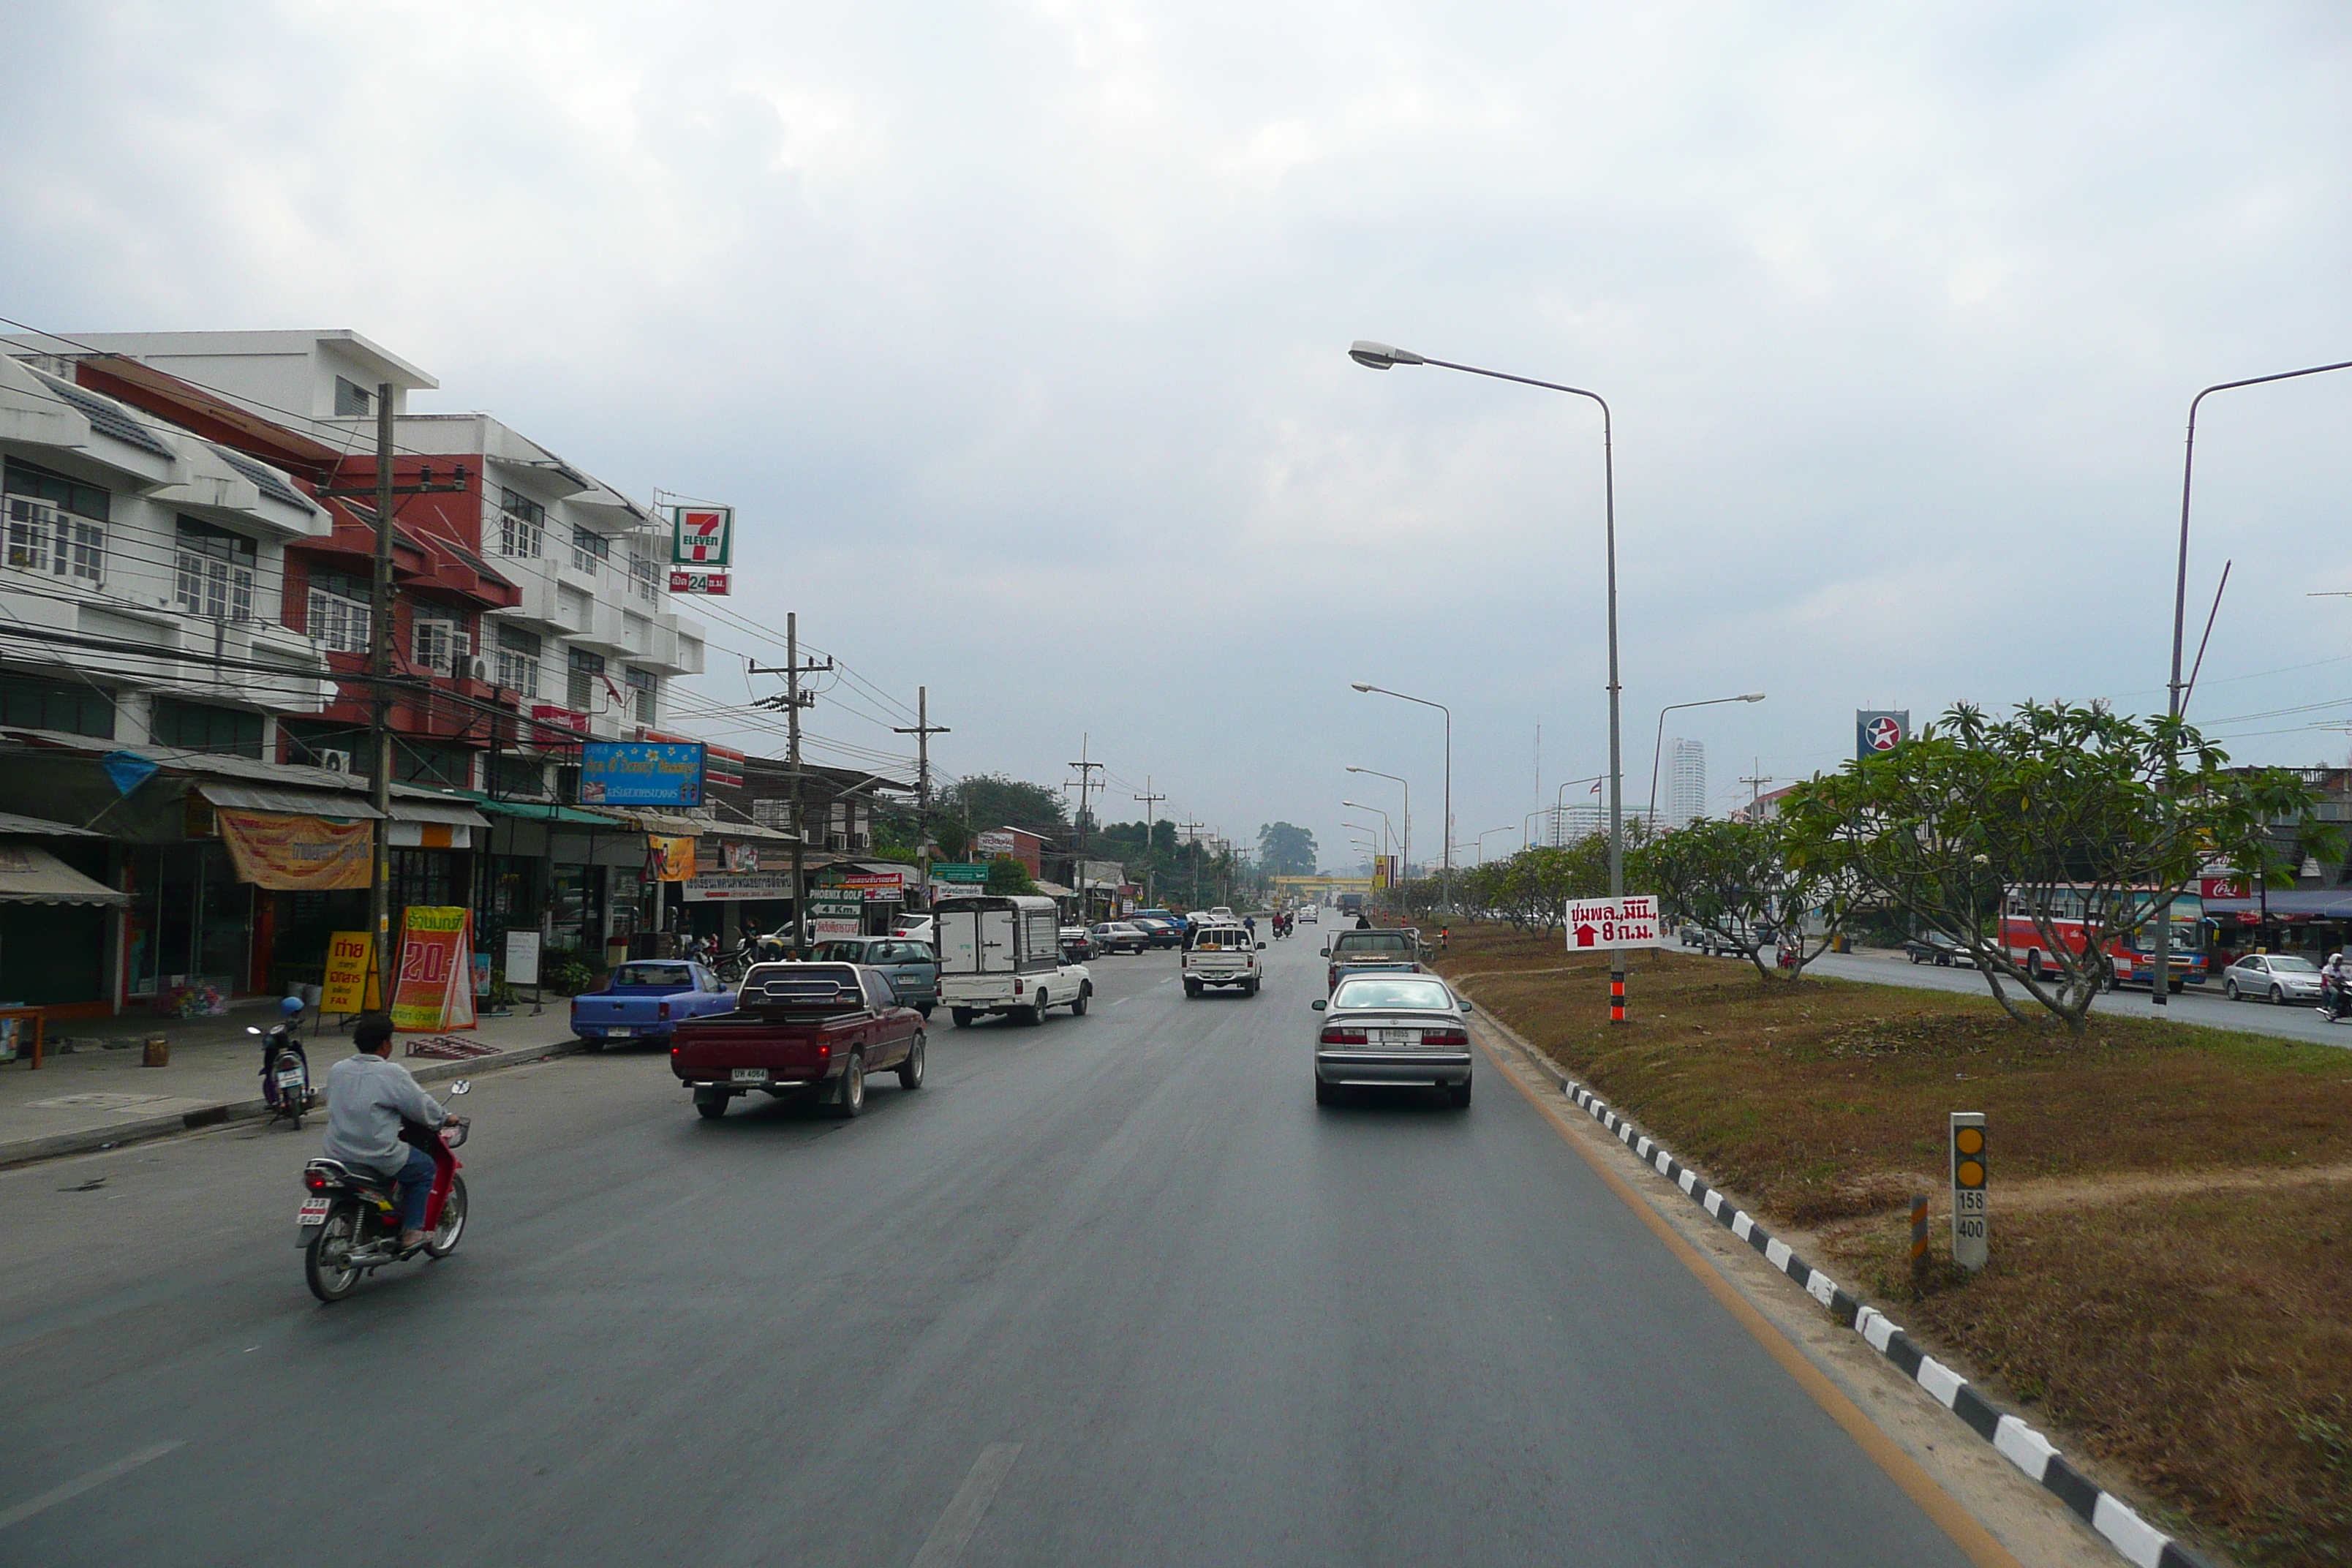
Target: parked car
(1936,948)
(1168,916)
(911,966)
(647,999)
(1001,954)
(2273,976)
(1391,951)
(804,1029)
(1223,954)
(1390,1029)
(1119,936)
(1077,945)
(1157,934)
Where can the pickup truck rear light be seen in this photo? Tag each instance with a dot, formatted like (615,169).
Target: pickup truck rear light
(1331,980)
(1337,1037)
(1016,985)
(664,1011)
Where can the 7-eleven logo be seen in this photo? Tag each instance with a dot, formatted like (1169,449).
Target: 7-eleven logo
(703,535)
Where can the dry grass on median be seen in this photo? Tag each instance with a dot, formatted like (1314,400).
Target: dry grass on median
(2195,1337)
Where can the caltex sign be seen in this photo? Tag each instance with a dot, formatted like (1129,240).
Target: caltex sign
(1879,731)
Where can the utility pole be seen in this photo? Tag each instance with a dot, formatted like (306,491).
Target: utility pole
(1150,875)
(1191,842)
(379,649)
(923,730)
(1756,783)
(1084,781)
(793,701)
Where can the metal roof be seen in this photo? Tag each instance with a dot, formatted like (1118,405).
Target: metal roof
(36,827)
(265,478)
(107,417)
(31,875)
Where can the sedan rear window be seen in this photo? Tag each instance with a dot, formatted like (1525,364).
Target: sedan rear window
(839,951)
(1422,996)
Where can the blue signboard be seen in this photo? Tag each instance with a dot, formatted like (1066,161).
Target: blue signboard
(641,772)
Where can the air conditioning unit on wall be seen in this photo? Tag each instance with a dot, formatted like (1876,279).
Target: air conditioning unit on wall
(335,762)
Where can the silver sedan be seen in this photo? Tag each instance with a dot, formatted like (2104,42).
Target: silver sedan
(2273,976)
(1391,1029)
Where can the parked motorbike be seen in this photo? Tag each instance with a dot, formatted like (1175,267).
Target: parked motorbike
(348,1224)
(284,1065)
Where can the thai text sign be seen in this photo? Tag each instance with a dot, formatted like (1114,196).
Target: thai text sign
(641,772)
(685,580)
(1596,924)
(878,885)
(350,978)
(295,854)
(996,841)
(522,958)
(435,989)
(958,873)
(830,917)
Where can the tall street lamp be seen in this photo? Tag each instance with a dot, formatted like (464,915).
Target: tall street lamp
(1445,833)
(1659,749)
(1559,800)
(1385,824)
(1392,778)
(1485,836)
(2160,982)
(1382,356)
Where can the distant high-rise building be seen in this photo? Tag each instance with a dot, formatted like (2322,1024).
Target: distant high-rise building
(1686,781)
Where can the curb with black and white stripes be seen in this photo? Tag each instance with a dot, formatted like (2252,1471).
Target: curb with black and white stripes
(2139,1542)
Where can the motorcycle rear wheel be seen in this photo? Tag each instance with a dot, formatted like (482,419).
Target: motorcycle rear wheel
(326,1261)
(446,1236)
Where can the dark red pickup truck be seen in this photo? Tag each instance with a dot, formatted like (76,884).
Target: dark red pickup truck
(800,1028)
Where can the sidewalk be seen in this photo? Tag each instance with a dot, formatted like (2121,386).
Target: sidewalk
(92,1091)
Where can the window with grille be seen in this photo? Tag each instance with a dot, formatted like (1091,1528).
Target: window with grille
(339,611)
(645,575)
(205,728)
(215,576)
(54,543)
(644,688)
(522,525)
(588,548)
(438,639)
(518,660)
(586,675)
(352,401)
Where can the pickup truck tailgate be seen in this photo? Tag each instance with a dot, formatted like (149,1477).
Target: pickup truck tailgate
(718,1049)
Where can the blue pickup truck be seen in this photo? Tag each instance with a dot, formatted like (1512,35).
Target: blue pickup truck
(645,1000)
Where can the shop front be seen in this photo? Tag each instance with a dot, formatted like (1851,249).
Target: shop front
(59,923)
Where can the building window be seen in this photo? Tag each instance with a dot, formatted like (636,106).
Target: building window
(352,401)
(439,640)
(576,610)
(643,690)
(231,731)
(689,652)
(425,762)
(54,543)
(645,575)
(588,548)
(339,611)
(518,662)
(336,746)
(65,494)
(637,632)
(216,572)
(74,708)
(522,525)
(517,778)
(587,673)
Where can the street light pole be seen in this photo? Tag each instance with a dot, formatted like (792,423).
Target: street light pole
(1386,825)
(1445,876)
(1392,778)
(1658,750)
(2161,981)
(1382,356)
(1485,836)
(1560,802)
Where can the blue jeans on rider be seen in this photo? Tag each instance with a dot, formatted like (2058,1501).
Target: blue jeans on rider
(412,1186)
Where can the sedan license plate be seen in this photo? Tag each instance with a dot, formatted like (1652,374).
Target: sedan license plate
(751,1075)
(313,1211)
(1396,1037)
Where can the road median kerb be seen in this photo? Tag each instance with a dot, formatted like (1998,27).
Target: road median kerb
(90,1139)
(2033,1455)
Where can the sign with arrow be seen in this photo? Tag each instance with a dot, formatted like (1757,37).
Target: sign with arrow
(1596,925)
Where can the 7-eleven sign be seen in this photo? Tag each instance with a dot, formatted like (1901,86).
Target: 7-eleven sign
(702,535)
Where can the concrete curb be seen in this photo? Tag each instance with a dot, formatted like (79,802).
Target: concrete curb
(88,1140)
(2140,1542)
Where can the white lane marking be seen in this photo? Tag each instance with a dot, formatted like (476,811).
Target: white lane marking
(945,1544)
(581,1249)
(80,1484)
(1122,1000)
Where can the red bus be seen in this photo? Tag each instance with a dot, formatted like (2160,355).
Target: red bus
(2134,956)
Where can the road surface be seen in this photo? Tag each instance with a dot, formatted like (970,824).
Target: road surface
(1113,1290)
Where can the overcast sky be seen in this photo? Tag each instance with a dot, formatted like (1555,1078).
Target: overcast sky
(1017,332)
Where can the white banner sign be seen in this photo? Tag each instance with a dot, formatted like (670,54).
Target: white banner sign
(522,958)
(1596,924)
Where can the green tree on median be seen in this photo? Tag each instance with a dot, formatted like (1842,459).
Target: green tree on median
(1730,879)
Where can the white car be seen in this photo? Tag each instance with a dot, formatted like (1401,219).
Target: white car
(1308,914)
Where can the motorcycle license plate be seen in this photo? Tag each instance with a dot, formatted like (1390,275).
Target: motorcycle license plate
(751,1075)
(291,1079)
(313,1211)
(1396,1037)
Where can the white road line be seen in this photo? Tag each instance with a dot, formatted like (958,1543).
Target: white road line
(80,1484)
(945,1544)
(1122,1000)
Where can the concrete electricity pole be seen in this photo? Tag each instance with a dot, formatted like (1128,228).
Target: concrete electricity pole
(1151,877)
(1191,831)
(794,700)
(1084,782)
(923,730)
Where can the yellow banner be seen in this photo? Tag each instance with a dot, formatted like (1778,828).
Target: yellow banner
(669,860)
(435,988)
(295,854)
(351,974)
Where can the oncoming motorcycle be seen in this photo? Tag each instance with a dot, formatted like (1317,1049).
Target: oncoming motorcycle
(348,1224)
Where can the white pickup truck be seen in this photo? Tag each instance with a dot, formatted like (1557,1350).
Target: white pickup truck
(1223,953)
(1004,955)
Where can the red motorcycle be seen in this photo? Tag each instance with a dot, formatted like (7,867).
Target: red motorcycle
(349,1224)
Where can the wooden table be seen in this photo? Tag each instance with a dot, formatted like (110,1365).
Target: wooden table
(35,1014)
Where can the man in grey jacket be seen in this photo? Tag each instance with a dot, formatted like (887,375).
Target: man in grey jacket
(368,1097)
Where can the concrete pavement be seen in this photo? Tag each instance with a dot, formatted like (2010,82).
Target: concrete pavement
(1110,1290)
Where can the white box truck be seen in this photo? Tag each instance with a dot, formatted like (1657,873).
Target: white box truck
(1004,955)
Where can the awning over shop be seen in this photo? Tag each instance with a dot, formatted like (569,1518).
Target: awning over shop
(2301,904)
(670,824)
(1055,891)
(36,827)
(449,813)
(289,801)
(545,811)
(31,875)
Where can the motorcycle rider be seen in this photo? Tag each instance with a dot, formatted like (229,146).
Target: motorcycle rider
(368,1097)
(2332,976)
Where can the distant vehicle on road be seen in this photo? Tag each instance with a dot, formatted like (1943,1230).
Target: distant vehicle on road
(1222,913)
(1391,1029)
(1351,903)
(1002,954)
(1224,954)
(916,926)
(1159,933)
(1119,936)
(2272,977)
(1391,951)
(1307,913)
(802,1029)
(649,998)
(911,966)
(2133,956)
(1169,916)
(1936,948)
(1077,944)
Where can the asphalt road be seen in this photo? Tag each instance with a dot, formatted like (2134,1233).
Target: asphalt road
(1109,1291)
(2204,1006)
